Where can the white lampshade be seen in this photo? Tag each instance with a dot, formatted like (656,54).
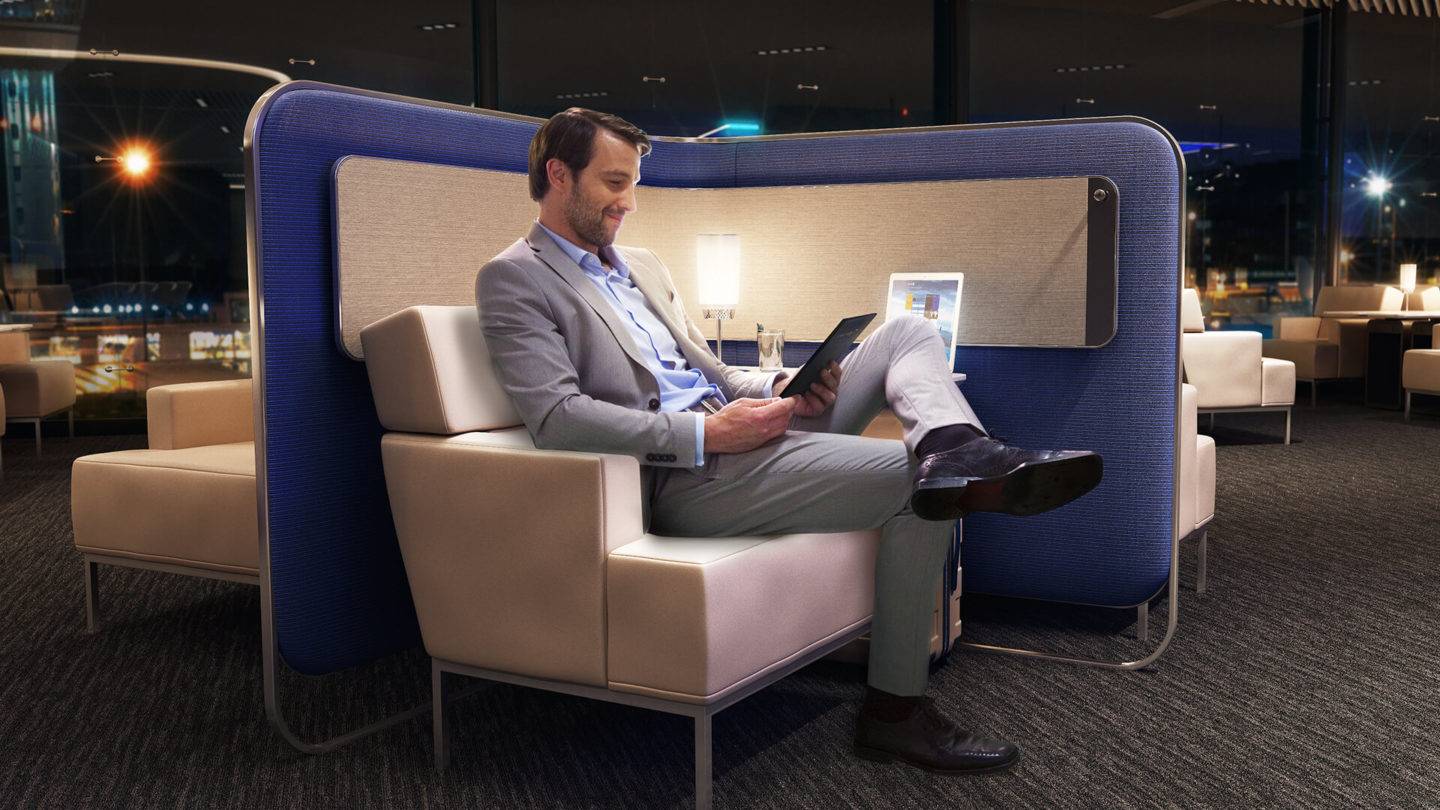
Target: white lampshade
(1407,277)
(717,266)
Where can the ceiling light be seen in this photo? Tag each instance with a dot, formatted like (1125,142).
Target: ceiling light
(225,129)
(790,50)
(201,102)
(438,26)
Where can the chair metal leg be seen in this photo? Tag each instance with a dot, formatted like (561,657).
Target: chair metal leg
(1287,425)
(1201,562)
(37,437)
(703,796)
(1313,385)
(1212,423)
(92,596)
(1142,622)
(1407,405)
(437,717)
(70,417)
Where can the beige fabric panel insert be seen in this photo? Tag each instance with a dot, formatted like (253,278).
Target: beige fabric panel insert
(414,233)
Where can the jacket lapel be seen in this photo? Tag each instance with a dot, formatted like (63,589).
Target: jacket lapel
(551,254)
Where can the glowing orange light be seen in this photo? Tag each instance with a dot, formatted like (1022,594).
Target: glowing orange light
(136,162)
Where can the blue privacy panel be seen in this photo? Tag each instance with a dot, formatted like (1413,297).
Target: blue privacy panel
(339,594)
(1111,547)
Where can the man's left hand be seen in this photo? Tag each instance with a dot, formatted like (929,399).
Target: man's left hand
(821,394)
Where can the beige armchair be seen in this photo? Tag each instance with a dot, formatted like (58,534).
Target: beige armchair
(1228,371)
(534,567)
(186,504)
(1325,347)
(1425,299)
(34,389)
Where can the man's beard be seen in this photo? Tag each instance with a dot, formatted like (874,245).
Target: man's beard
(588,224)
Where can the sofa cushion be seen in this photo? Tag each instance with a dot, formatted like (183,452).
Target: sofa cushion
(37,389)
(692,619)
(430,372)
(193,507)
(1422,370)
(1205,492)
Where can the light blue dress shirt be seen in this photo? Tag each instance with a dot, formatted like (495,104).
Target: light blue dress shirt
(680,386)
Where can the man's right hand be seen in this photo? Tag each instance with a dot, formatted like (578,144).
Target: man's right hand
(745,424)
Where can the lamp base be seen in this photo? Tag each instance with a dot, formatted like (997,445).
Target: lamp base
(721,315)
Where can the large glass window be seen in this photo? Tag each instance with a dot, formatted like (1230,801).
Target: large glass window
(1227,80)
(1391,163)
(123,215)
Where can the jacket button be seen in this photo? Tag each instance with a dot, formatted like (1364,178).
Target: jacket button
(653,404)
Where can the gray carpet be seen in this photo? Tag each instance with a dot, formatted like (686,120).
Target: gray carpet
(1307,676)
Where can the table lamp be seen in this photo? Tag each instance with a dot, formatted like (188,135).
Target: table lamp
(717,266)
(1407,282)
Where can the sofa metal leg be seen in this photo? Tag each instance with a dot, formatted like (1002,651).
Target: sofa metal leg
(702,761)
(1407,405)
(1212,424)
(1287,425)
(1201,561)
(1142,622)
(92,596)
(437,716)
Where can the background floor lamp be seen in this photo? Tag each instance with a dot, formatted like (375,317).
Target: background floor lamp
(717,266)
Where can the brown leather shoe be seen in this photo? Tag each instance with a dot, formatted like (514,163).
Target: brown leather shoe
(928,740)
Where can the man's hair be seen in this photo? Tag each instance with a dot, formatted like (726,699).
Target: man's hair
(570,137)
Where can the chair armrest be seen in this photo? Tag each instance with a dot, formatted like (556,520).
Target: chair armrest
(1313,359)
(1278,386)
(505,548)
(195,414)
(1224,366)
(1189,483)
(1299,328)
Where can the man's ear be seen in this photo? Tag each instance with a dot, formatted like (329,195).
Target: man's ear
(557,172)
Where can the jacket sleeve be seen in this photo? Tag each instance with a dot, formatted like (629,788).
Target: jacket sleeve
(528,349)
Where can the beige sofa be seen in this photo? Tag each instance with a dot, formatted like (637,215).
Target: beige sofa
(1228,371)
(186,504)
(34,390)
(533,567)
(1326,347)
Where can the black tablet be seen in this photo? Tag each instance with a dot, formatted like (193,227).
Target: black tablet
(833,348)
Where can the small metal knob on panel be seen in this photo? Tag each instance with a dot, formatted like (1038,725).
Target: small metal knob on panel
(1100,195)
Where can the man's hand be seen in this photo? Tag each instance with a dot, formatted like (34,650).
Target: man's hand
(821,394)
(745,424)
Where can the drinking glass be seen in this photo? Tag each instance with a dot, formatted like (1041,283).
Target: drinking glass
(771,343)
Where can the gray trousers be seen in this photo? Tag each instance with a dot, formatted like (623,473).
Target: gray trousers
(822,477)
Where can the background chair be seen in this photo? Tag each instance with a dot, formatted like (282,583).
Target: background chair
(1426,299)
(34,389)
(1420,374)
(186,504)
(1325,347)
(1227,369)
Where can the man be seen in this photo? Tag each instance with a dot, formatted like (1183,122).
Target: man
(593,345)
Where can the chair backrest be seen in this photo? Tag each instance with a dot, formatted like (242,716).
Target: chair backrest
(1372,298)
(430,372)
(1426,299)
(14,346)
(1191,318)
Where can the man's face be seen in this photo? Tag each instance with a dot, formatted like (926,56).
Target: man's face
(604,192)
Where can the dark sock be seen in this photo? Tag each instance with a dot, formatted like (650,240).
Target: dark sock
(947,437)
(889,708)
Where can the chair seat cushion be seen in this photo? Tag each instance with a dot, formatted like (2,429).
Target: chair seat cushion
(37,389)
(1422,370)
(692,619)
(193,507)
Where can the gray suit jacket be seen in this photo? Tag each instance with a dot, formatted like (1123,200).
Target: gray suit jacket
(575,375)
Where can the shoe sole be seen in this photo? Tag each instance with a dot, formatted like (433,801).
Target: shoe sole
(1029,489)
(877,755)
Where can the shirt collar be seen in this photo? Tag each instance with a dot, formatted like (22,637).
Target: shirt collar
(589,262)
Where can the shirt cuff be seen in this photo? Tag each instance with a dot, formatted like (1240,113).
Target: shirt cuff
(699,440)
(770,384)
